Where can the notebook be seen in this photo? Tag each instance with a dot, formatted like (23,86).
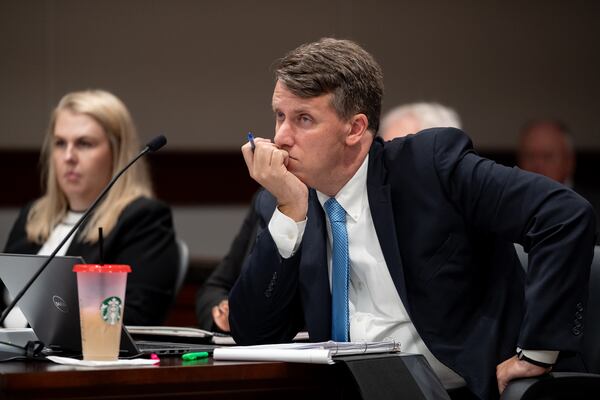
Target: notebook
(51,307)
(165,347)
(175,334)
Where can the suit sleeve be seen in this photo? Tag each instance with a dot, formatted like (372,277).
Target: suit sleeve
(221,280)
(554,224)
(264,303)
(145,240)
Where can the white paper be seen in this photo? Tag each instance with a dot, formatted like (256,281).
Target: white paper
(226,340)
(116,363)
(313,356)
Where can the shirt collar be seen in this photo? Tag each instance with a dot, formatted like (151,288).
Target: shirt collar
(353,195)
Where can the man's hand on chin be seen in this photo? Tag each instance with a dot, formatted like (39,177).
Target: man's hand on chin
(267,165)
(514,368)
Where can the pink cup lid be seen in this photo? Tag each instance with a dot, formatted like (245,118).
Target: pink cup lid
(104,268)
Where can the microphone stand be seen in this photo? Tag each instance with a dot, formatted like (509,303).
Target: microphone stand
(154,145)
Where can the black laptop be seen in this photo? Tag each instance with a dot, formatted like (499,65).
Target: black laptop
(51,307)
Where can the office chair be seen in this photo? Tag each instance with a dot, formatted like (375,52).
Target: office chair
(183,265)
(570,385)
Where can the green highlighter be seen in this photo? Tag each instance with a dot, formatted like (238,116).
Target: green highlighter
(194,356)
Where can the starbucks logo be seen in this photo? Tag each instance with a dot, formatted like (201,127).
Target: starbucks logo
(110,310)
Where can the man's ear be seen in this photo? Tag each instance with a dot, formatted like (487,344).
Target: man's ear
(359,124)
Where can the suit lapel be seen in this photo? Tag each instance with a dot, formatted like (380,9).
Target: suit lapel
(382,212)
(314,273)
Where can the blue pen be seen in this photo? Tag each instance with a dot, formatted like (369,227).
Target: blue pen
(251,140)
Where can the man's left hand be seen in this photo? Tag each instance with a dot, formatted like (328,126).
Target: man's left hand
(220,314)
(514,368)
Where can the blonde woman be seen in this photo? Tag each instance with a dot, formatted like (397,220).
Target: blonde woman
(90,137)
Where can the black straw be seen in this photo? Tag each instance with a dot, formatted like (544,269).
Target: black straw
(101,243)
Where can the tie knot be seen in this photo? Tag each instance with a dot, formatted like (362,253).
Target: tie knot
(335,211)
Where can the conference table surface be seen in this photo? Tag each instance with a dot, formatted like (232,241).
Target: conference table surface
(173,378)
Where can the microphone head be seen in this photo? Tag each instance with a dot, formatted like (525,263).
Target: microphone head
(156,143)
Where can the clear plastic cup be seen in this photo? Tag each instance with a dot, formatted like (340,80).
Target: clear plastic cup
(101,292)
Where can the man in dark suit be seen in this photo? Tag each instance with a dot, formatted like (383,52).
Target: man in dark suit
(409,239)
(546,147)
(212,305)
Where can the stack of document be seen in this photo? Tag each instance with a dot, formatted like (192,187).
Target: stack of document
(188,335)
(170,334)
(226,340)
(316,353)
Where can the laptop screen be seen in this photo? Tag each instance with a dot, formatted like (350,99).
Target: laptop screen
(50,305)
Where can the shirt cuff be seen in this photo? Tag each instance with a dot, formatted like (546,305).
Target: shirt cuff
(543,356)
(286,233)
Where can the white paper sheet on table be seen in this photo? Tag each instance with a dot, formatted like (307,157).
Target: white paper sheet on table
(116,363)
(316,353)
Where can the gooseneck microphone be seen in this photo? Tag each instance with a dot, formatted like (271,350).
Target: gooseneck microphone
(152,146)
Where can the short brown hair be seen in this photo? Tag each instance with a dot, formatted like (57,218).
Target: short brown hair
(335,66)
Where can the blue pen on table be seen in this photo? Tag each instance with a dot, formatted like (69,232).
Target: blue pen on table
(251,140)
(194,355)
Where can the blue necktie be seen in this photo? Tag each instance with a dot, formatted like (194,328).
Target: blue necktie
(339,271)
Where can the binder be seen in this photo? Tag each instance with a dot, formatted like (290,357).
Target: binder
(317,353)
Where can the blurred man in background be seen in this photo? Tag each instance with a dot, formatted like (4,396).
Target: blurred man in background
(414,117)
(545,147)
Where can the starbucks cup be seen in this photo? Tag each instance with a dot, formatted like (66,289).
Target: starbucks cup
(101,292)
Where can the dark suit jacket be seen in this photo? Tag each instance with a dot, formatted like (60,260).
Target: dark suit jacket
(221,280)
(142,238)
(591,194)
(445,220)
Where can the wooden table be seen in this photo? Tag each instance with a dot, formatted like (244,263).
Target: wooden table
(175,379)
